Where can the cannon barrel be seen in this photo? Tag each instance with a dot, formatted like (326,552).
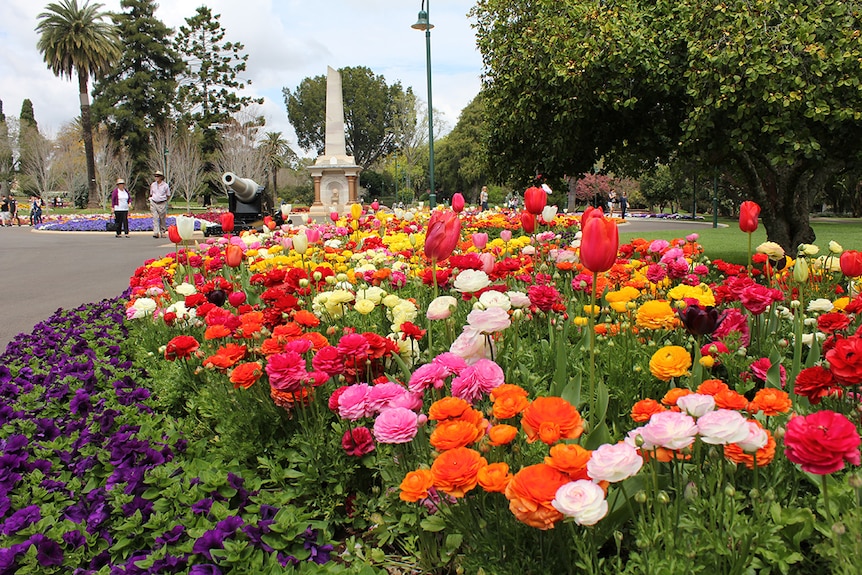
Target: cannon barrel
(245,189)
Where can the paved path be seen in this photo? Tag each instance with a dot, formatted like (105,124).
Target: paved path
(41,272)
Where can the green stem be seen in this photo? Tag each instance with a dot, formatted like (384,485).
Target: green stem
(592,328)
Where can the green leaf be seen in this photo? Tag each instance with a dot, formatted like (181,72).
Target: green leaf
(434,523)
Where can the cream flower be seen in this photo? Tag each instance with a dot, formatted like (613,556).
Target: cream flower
(373,293)
(441,307)
(822,305)
(185,289)
(772,250)
(364,306)
(835,247)
(808,249)
(493,298)
(471,281)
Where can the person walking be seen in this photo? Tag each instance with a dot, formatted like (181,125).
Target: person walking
(120,205)
(160,193)
(35,211)
(13,210)
(5,216)
(483,198)
(624,204)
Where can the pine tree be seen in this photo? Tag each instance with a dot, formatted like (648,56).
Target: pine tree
(137,96)
(7,159)
(28,116)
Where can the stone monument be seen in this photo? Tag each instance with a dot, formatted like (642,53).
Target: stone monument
(335,174)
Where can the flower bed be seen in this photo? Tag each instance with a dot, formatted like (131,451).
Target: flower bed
(459,394)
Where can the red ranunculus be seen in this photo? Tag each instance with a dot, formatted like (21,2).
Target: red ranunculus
(821,442)
(233,255)
(181,347)
(845,360)
(600,241)
(236,298)
(748,213)
(528,222)
(444,232)
(535,200)
(458,202)
(851,263)
(357,442)
(174,235)
(832,322)
(815,383)
(227,222)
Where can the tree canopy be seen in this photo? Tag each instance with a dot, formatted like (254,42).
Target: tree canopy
(461,163)
(369,113)
(768,92)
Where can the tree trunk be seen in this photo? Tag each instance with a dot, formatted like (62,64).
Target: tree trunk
(87,129)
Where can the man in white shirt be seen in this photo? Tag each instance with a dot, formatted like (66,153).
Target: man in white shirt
(160,192)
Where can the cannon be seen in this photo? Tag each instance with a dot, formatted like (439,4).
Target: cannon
(245,201)
(246,189)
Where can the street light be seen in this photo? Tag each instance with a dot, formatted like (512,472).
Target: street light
(423,23)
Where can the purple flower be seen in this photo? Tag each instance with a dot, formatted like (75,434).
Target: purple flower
(204,569)
(202,507)
(48,552)
(74,539)
(212,539)
(170,537)
(21,519)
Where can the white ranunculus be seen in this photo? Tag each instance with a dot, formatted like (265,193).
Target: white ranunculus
(374,293)
(144,306)
(820,305)
(471,281)
(493,298)
(441,307)
(185,289)
(518,299)
(582,500)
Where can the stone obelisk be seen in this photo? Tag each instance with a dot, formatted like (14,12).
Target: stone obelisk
(335,174)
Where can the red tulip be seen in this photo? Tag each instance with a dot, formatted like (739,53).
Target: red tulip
(748,214)
(227,222)
(236,298)
(535,200)
(851,263)
(233,255)
(600,241)
(528,222)
(591,212)
(174,235)
(269,222)
(458,202)
(444,232)
(375,205)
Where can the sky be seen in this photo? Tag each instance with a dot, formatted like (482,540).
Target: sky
(286,40)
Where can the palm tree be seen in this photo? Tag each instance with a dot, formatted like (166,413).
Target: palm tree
(274,150)
(78,38)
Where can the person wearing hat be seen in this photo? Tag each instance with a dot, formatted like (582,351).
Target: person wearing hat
(120,205)
(160,193)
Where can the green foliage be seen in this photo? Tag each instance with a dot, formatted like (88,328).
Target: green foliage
(460,162)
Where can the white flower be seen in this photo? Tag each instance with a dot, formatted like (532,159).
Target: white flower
(756,439)
(493,298)
(471,281)
(582,500)
(144,306)
(441,307)
(519,299)
(696,404)
(549,213)
(374,293)
(722,426)
(820,305)
(185,289)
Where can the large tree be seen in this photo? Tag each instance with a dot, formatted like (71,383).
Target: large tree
(77,38)
(7,155)
(209,82)
(767,91)
(369,109)
(276,151)
(461,161)
(137,96)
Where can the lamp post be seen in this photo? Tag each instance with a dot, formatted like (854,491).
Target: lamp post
(423,23)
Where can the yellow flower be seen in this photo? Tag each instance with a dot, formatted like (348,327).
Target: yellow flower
(656,314)
(841,303)
(594,310)
(702,293)
(580,321)
(364,306)
(707,361)
(669,362)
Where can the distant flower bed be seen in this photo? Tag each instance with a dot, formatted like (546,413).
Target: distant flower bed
(97,223)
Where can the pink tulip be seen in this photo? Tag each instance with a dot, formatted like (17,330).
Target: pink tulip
(487,262)
(444,233)
(506,235)
(458,202)
(333,216)
(480,240)
(375,205)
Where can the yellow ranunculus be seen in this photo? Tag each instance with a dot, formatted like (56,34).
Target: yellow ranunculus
(669,362)
(364,306)
(656,314)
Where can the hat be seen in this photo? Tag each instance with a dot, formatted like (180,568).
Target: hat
(158,173)
(121,181)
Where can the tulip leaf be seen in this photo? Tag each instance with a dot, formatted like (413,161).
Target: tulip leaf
(572,391)
(814,354)
(598,436)
(773,376)
(601,402)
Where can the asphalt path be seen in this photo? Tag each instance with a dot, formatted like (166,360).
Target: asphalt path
(42,272)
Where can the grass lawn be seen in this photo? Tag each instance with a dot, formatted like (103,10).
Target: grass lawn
(731,245)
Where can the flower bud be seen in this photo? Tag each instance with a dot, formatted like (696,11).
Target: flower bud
(303,282)
(855,481)
(662,497)
(729,490)
(641,497)
(691,491)
(839,529)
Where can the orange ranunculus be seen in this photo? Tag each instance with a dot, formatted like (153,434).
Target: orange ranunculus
(656,314)
(494,477)
(535,200)
(669,362)
(730,399)
(600,241)
(748,213)
(502,434)
(765,454)
(851,263)
(444,231)
(711,387)
(448,408)
(551,419)
(509,405)
(570,459)
(644,409)
(507,389)
(287,399)
(670,398)
(306,318)
(453,433)
(455,471)
(318,340)
(286,330)
(770,401)
(233,255)
(530,493)
(216,332)
(271,345)
(415,485)
(246,374)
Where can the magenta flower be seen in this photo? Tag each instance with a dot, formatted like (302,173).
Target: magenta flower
(396,425)
(353,402)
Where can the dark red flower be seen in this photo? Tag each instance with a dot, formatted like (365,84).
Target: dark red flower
(815,383)
(357,442)
(181,347)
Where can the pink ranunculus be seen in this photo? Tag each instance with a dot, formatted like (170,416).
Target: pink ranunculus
(354,347)
(384,395)
(451,362)
(300,346)
(762,366)
(488,321)
(396,425)
(658,246)
(353,402)
(822,442)
(410,400)
(614,462)
(544,297)
(470,345)
(582,500)
(722,426)
(756,298)
(655,273)
(670,429)
(757,437)
(357,442)
(477,380)
(328,360)
(429,375)
(286,371)
(696,404)
(733,320)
